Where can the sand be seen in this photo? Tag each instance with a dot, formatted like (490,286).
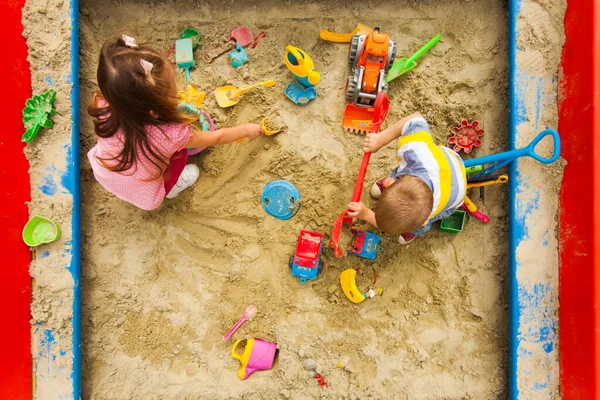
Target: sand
(161,288)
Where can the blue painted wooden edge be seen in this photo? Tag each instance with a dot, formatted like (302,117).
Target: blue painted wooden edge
(74,183)
(526,302)
(513,10)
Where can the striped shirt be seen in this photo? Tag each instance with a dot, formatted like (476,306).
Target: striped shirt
(439,167)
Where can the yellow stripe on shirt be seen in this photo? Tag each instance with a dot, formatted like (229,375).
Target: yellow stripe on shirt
(445,178)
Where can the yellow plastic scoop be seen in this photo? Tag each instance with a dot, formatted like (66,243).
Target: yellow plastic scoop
(228,96)
(263,128)
(344,37)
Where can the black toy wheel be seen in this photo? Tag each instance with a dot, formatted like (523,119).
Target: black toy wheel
(351,88)
(391,56)
(353,52)
(291,262)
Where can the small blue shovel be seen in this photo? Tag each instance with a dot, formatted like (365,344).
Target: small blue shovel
(501,159)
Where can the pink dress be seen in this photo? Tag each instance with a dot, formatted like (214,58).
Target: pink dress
(139,185)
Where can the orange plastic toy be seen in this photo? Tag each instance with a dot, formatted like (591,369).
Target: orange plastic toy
(371,56)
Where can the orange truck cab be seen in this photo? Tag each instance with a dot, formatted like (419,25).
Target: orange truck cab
(370,57)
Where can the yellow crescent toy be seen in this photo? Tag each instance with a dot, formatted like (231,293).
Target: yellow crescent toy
(348,282)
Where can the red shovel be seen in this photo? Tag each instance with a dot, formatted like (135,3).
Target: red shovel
(240,35)
(381,106)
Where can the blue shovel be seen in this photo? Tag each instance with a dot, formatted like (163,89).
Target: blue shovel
(499,160)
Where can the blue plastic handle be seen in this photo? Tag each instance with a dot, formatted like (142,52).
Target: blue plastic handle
(525,151)
(556,143)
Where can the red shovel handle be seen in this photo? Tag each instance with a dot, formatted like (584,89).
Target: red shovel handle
(382,105)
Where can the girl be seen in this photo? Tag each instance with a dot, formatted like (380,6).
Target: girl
(143,138)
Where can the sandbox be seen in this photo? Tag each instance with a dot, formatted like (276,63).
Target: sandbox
(161,288)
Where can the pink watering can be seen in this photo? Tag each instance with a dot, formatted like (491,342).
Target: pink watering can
(258,355)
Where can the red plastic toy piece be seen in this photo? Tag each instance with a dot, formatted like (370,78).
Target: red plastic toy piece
(321,380)
(308,249)
(466,136)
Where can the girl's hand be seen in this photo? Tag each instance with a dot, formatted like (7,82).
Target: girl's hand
(252,130)
(357,210)
(373,142)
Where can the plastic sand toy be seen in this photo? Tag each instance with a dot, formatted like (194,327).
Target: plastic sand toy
(240,35)
(264,128)
(184,56)
(281,199)
(370,57)
(348,283)
(40,230)
(344,37)
(466,136)
(306,261)
(247,315)
(228,96)
(311,366)
(258,355)
(301,66)
(454,223)
(366,244)
(474,169)
(191,96)
(238,56)
(404,65)
(36,114)
(299,94)
(499,160)
(191,33)
(471,208)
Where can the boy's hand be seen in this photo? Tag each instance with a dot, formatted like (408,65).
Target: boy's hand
(357,210)
(252,130)
(372,143)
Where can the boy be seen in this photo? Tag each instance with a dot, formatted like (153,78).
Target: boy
(429,184)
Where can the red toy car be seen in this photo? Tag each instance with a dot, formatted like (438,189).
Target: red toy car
(306,261)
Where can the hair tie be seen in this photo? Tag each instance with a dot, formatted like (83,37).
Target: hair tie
(129,41)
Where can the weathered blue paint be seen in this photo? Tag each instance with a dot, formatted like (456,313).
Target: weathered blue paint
(52,343)
(532,312)
(73,184)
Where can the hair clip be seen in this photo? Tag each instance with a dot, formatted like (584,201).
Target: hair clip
(147,65)
(129,41)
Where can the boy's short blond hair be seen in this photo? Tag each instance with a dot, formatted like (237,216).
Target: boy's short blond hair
(404,206)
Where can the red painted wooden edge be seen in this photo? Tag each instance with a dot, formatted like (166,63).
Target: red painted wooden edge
(15,283)
(579,125)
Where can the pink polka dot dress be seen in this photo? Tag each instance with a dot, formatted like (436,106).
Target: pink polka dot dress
(139,185)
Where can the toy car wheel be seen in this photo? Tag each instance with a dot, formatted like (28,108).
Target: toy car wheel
(291,262)
(391,55)
(353,52)
(351,88)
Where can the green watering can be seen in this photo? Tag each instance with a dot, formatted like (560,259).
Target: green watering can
(404,65)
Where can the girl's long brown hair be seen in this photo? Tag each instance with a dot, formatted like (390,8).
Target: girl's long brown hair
(132,96)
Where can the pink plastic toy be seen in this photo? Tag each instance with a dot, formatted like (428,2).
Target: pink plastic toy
(248,313)
(258,355)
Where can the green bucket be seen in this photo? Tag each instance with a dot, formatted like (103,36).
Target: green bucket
(454,223)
